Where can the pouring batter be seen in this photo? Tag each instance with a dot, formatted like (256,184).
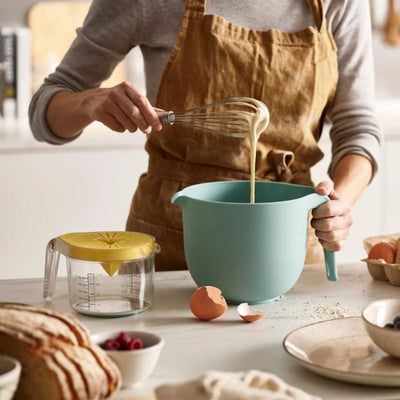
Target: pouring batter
(304,59)
(241,117)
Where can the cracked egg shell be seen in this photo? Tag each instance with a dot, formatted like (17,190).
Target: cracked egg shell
(249,314)
(208,303)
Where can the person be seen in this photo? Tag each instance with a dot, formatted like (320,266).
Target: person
(310,61)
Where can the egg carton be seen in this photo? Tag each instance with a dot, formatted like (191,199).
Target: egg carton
(379,269)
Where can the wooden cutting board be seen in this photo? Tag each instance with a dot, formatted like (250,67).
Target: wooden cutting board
(53,25)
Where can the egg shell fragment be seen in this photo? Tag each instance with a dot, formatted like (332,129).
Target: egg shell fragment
(249,314)
(208,303)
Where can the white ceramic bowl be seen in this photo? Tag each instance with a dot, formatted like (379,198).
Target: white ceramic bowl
(10,371)
(375,316)
(134,365)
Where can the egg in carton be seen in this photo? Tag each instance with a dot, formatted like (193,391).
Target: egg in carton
(380,269)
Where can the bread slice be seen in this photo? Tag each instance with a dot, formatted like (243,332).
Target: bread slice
(59,362)
(71,327)
(41,378)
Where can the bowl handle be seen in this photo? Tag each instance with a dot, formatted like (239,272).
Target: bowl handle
(314,200)
(330,265)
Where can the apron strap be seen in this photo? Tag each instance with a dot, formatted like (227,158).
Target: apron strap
(317,8)
(196,5)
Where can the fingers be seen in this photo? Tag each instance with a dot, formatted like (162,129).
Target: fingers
(332,246)
(123,107)
(331,209)
(326,188)
(333,240)
(109,121)
(147,115)
(332,222)
(119,113)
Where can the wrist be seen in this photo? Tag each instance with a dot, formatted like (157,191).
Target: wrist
(351,176)
(68,113)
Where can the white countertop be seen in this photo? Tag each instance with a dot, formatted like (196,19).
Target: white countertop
(193,347)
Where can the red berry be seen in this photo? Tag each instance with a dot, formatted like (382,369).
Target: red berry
(123,337)
(135,344)
(112,344)
(123,342)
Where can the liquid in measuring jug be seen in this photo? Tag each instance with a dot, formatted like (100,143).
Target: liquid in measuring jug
(94,292)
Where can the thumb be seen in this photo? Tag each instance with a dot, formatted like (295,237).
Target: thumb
(326,188)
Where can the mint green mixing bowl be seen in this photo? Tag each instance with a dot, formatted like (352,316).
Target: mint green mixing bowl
(252,252)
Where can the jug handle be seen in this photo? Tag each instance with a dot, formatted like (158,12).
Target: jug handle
(314,200)
(51,268)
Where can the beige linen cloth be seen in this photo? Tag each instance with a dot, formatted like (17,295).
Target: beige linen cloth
(218,385)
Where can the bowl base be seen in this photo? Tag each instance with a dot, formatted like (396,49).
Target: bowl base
(229,301)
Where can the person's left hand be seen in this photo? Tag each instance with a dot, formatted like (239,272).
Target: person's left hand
(331,220)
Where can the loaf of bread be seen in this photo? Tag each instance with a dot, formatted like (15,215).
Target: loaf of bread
(59,362)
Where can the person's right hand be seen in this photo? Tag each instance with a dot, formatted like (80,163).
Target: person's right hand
(123,107)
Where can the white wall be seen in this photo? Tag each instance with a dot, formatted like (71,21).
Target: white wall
(49,190)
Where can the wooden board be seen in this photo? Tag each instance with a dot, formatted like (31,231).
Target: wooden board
(53,25)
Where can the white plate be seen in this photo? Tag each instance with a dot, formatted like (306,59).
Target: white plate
(341,349)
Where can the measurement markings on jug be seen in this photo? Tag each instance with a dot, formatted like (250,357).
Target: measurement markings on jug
(134,287)
(87,291)
(103,295)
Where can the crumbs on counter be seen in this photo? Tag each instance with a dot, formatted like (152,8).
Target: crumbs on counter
(318,312)
(309,312)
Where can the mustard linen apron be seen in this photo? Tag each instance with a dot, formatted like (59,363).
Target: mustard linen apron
(295,74)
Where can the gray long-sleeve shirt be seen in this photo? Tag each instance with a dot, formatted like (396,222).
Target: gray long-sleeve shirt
(112,29)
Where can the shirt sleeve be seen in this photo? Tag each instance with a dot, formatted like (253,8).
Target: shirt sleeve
(354,127)
(108,33)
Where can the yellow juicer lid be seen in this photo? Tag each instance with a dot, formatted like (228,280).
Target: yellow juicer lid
(110,248)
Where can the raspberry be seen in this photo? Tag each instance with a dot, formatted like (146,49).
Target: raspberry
(122,342)
(112,344)
(124,339)
(135,344)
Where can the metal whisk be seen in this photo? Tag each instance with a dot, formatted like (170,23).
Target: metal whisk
(235,116)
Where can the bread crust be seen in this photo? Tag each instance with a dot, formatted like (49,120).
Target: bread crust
(55,352)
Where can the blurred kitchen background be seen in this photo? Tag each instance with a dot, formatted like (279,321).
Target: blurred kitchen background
(87,185)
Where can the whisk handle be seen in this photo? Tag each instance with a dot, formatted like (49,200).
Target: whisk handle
(166,117)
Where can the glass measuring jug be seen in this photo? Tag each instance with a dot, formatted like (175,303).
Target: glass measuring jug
(110,274)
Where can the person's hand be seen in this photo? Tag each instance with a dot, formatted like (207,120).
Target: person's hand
(123,107)
(331,220)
